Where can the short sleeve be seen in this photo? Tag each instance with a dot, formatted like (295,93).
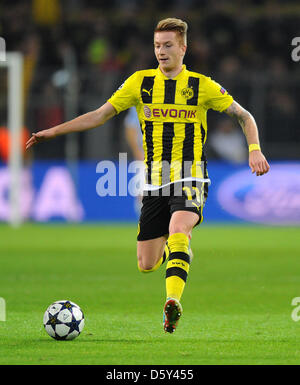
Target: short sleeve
(216,97)
(127,94)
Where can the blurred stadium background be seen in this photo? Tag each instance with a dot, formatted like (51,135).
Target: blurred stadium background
(77,53)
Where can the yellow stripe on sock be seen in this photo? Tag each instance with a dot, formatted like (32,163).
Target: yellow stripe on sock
(174,287)
(179,263)
(178,242)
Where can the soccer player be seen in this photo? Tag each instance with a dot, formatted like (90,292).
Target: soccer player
(172,103)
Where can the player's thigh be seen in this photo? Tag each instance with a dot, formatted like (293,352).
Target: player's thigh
(186,208)
(149,252)
(183,222)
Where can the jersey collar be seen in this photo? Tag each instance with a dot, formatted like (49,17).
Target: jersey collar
(180,75)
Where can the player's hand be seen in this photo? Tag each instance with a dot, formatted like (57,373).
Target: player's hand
(258,163)
(40,136)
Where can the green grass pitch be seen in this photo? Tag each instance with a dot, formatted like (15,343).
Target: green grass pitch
(236,305)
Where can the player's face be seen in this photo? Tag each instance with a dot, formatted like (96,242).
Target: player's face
(169,50)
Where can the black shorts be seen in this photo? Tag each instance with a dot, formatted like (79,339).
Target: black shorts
(159,205)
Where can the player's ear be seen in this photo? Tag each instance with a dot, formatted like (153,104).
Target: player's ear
(183,48)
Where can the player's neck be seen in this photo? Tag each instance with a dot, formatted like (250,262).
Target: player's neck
(173,72)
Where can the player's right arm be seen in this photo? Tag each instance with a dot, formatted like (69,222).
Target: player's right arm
(123,98)
(84,122)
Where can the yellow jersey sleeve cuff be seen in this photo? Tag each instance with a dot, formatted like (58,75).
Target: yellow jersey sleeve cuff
(114,106)
(227,104)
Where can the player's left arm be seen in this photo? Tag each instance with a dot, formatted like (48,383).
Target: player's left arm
(257,160)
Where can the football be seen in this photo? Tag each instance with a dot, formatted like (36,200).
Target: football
(63,320)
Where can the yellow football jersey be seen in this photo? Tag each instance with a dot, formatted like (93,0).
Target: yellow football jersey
(172,115)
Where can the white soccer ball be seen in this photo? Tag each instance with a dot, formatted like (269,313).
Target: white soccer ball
(63,320)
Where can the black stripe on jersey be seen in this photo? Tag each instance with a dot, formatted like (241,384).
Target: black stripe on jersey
(188,150)
(194,84)
(170,91)
(205,174)
(203,156)
(167,141)
(147,89)
(150,149)
(203,134)
(167,145)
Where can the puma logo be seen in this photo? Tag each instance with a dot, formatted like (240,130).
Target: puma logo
(178,263)
(197,206)
(147,92)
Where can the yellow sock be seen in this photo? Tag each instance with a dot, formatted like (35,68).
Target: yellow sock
(159,263)
(178,265)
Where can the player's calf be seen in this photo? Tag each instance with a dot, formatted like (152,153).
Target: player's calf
(149,265)
(178,265)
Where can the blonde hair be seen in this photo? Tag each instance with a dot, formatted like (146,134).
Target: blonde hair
(172,24)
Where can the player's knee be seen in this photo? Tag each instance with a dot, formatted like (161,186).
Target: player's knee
(144,266)
(179,228)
